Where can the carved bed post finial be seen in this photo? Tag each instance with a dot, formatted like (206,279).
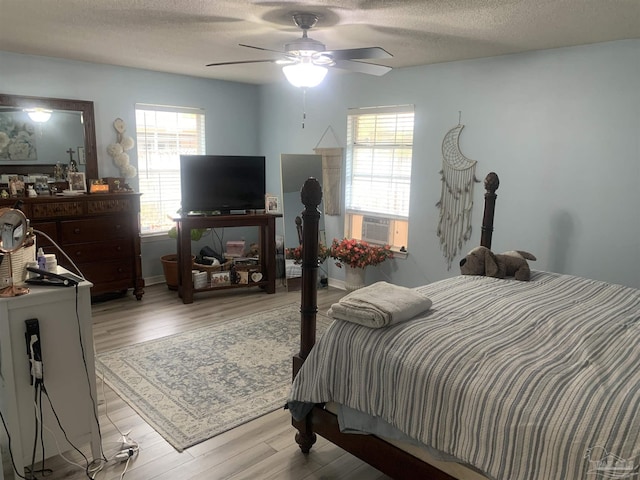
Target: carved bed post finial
(491,184)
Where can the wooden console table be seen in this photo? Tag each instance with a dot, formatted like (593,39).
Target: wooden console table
(267,225)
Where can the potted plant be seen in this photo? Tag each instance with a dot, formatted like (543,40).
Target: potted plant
(356,256)
(170,261)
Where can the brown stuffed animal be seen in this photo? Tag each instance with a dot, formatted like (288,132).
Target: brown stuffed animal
(482,261)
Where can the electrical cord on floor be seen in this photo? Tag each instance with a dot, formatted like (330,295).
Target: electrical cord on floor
(64,432)
(86,370)
(13,463)
(129,447)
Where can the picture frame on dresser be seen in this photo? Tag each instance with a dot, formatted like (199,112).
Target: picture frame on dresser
(77,182)
(272,204)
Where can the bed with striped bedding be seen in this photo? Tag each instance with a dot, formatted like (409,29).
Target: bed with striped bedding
(520,380)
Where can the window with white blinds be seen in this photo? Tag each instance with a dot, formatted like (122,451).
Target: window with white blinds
(378,161)
(378,174)
(164,133)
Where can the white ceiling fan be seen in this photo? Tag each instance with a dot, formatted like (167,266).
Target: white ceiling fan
(305,60)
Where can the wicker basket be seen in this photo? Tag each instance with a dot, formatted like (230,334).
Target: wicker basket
(213,268)
(19,260)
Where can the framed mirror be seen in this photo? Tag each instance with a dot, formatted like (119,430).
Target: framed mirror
(29,146)
(295,169)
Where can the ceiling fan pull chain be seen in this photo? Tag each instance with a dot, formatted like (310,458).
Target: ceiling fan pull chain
(304,105)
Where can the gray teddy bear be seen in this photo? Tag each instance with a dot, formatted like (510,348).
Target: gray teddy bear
(482,261)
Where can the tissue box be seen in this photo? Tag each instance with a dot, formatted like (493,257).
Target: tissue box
(235,248)
(199,279)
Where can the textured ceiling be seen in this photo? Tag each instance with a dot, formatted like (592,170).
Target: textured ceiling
(182,36)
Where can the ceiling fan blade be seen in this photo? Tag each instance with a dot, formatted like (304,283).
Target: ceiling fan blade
(359,53)
(239,62)
(361,67)
(263,49)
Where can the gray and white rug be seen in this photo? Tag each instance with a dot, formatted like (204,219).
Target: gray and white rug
(194,385)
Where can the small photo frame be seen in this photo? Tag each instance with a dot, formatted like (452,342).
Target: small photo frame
(41,185)
(77,182)
(97,185)
(16,185)
(82,159)
(272,203)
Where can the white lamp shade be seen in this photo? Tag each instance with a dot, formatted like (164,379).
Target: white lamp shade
(304,74)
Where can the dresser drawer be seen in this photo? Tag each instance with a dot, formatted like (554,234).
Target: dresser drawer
(56,209)
(48,228)
(95,230)
(101,272)
(96,252)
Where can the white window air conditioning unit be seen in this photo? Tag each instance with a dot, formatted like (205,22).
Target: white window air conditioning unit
(376,230)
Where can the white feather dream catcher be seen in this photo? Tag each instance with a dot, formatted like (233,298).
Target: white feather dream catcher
(456,198)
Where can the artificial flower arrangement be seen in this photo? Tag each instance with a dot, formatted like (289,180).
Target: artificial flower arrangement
(296,253)
(358,253)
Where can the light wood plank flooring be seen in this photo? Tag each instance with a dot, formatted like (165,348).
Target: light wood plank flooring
(261,449)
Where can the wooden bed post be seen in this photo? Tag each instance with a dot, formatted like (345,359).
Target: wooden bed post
(311,196)
(491,184)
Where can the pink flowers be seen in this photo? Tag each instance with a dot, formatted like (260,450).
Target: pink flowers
(358,253)
(296,253)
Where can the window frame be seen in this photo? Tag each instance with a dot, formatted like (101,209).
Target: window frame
(154,179)
(389,150)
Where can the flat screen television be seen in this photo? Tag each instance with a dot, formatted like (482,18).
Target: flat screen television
(222,183)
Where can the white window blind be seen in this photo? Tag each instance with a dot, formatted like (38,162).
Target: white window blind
(378,160)
(164,133)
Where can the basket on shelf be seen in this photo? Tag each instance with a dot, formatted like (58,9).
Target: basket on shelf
(213,268)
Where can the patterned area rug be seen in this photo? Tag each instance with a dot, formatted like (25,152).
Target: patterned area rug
(194,385)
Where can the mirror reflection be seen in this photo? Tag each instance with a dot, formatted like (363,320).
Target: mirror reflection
(59,139)
(46,136)
(13,230)
(295,170)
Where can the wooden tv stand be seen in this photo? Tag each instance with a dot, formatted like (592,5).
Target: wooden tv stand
(267,225)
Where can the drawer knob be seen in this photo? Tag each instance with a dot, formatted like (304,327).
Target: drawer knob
(76,230)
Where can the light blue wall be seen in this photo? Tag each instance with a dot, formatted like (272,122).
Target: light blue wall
(560,127)
(232,123)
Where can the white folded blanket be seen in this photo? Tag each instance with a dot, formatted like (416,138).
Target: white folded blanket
(379,305)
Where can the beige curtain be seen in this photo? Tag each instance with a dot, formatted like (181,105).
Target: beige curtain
(331,178)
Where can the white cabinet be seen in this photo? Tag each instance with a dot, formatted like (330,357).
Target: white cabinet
(64,316)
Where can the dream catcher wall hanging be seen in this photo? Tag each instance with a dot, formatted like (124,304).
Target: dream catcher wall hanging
(456,198)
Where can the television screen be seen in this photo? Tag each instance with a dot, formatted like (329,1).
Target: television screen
(222,183)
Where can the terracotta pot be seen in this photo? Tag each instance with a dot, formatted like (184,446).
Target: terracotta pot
(170,268)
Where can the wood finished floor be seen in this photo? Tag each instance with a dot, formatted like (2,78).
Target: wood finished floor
(261,449)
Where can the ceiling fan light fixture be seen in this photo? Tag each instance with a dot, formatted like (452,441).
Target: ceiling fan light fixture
(304,74)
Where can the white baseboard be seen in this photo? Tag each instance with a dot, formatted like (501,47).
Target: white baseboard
(154,280)
(333,282)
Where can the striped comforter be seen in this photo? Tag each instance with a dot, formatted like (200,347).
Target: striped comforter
(522,380)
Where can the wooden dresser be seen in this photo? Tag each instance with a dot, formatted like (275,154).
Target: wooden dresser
(99,232)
